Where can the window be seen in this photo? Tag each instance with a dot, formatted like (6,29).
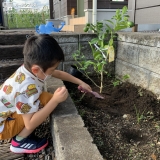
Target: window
(119,0)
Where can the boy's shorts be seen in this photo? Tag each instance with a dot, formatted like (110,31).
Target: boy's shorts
(15,124)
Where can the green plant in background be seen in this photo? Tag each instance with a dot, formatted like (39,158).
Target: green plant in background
(26,18)
(117,82)
(80,99)
(82,112)
(139,116)
(103,45)
(140,92)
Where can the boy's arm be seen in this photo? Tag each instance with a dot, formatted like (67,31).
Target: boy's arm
(32,120)
(68,77)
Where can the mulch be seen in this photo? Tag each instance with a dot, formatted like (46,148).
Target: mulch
(47,154)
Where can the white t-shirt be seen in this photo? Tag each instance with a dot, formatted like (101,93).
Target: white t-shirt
(20,93)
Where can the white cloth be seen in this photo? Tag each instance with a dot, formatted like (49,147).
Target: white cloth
(20,93)
(1,128)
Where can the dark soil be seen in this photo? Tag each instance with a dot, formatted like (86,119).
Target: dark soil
(125,125)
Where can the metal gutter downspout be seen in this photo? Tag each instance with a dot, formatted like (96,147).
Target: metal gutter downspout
(59,9)
(94,12)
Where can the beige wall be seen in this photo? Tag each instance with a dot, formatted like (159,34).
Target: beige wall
(144,11)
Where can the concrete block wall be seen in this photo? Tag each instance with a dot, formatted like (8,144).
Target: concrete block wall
(70,43)
(138,54)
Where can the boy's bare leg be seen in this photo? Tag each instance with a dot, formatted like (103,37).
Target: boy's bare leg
(25,132)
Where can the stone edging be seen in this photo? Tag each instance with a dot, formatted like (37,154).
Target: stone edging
(71,139)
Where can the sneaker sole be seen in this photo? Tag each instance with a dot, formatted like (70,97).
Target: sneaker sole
(20,150)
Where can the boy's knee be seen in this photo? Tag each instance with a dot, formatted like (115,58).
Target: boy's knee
(12,126)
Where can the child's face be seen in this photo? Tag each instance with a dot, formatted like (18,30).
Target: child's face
(42,75)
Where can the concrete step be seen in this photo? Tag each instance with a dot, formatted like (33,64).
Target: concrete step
(12,37)
(11,51)
(8,67)
(74,28)
(78,20)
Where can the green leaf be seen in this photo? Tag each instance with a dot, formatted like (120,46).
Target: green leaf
(89,62)
(105,72)
(98,57)
(124,9)
(111,42)
(117,12)
(94,40)
(106,46)
(125,18)
(120,28)
(103,35)
(126,77)
(96,53)
(119,18)
(93,49)
(83,69)
(103,62)
(99,66)
(110,22)
(99,42)
(109,28)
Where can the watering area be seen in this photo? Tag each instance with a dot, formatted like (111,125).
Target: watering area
(137,55)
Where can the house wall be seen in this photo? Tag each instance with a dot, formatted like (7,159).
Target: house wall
(67,5)
(144,12)
(104,14)
(80,8)
(105,4)
(60,10)
(65,9)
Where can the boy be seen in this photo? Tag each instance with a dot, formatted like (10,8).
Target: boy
(21,94)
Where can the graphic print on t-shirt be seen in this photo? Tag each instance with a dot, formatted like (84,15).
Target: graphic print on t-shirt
(24,108)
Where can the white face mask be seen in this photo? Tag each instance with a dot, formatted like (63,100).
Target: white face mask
(46,76)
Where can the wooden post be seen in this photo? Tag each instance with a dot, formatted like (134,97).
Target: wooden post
(135,28)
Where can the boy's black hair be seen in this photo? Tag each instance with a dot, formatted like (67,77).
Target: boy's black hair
(42,50)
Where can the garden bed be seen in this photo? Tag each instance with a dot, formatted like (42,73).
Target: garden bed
(125,125)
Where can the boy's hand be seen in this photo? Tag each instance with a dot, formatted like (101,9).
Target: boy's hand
(86,87)
(60,95)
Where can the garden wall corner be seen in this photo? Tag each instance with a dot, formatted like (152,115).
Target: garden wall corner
(138,55)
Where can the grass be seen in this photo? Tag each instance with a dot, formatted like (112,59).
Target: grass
(26,18)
